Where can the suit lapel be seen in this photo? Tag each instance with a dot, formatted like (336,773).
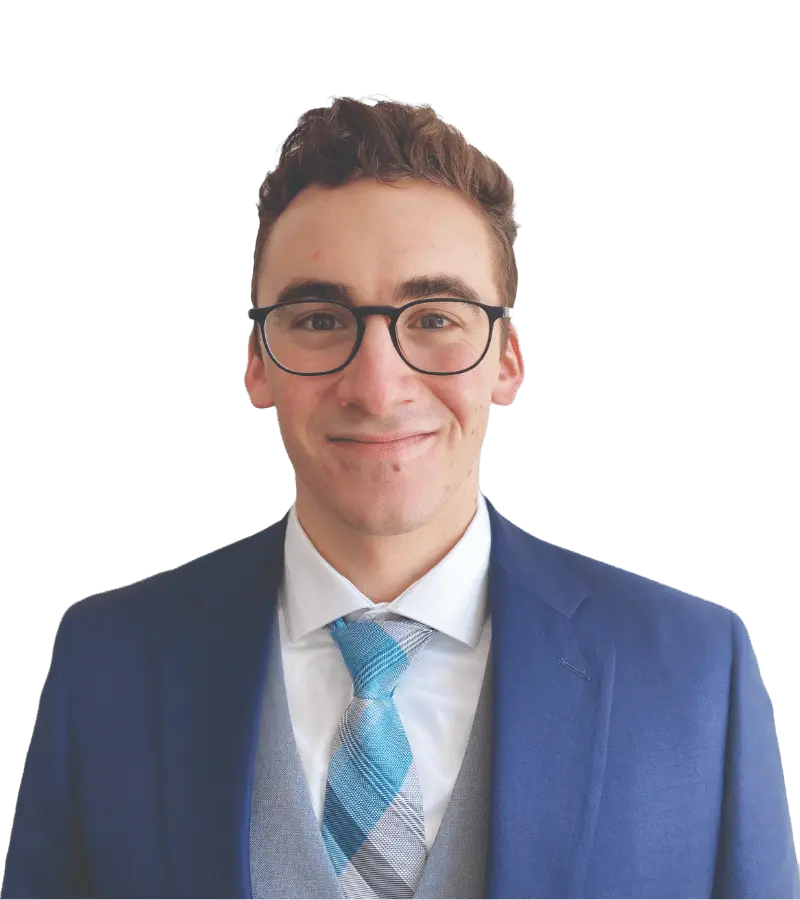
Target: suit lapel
(212,673)
(552,689)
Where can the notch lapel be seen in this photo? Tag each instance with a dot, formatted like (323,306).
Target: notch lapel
(212,673)
(553,680)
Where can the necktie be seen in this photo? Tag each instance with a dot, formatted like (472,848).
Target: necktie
(372,823)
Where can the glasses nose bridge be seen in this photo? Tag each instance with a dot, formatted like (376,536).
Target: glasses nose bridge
(390,313)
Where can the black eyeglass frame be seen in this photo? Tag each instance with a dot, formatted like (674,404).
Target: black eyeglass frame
(259,314)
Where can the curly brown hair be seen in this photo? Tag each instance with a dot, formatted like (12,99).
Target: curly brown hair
(390,142)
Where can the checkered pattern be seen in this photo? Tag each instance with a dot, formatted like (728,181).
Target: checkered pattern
(373,824)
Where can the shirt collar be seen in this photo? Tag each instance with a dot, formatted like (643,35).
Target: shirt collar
(452,597)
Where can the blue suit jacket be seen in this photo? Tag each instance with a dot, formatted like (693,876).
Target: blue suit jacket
(634,745)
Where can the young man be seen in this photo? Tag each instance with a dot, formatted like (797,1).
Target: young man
(394,691)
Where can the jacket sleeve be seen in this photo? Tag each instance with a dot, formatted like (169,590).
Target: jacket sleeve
(45,855)
(756,852)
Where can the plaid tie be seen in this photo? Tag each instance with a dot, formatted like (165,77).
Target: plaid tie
(373,824)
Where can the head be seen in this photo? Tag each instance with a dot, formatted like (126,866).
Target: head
(370,197)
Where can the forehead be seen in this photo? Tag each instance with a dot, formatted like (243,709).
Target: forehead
(373,236)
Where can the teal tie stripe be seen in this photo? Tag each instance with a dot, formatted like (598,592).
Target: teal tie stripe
(373,824)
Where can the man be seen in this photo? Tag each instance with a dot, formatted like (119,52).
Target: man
(394,691)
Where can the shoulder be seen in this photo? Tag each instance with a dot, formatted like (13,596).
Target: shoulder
(165,600)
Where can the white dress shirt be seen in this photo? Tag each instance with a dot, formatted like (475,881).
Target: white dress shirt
(436,697)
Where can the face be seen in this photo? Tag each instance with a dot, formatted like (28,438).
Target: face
(372,237)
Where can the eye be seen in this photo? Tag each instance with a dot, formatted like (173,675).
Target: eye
(317,315)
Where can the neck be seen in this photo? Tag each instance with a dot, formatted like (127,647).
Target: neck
(383,549)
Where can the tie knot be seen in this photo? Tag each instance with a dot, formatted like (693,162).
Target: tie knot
(377,652)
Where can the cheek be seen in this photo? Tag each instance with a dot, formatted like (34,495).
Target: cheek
(478,422)
(469,405)
(294,413)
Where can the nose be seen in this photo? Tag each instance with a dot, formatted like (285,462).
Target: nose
(376,379)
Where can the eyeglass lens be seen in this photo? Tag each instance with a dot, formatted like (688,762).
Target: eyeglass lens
(439,336)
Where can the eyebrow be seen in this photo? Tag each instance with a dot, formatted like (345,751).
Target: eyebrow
(412,289)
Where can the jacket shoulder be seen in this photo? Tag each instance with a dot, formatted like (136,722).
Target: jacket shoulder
(169,597)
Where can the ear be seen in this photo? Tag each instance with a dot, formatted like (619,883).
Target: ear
(511,371)
(256,376)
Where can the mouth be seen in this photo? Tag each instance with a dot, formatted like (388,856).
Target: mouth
(385,448)
(397,440)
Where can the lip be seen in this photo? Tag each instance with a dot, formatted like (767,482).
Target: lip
(382,438)
(386,448)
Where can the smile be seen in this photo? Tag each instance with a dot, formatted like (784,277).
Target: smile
(384,450)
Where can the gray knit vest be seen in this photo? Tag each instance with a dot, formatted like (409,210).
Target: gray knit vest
(287,854)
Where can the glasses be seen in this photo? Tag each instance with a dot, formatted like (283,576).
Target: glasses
(442,336)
